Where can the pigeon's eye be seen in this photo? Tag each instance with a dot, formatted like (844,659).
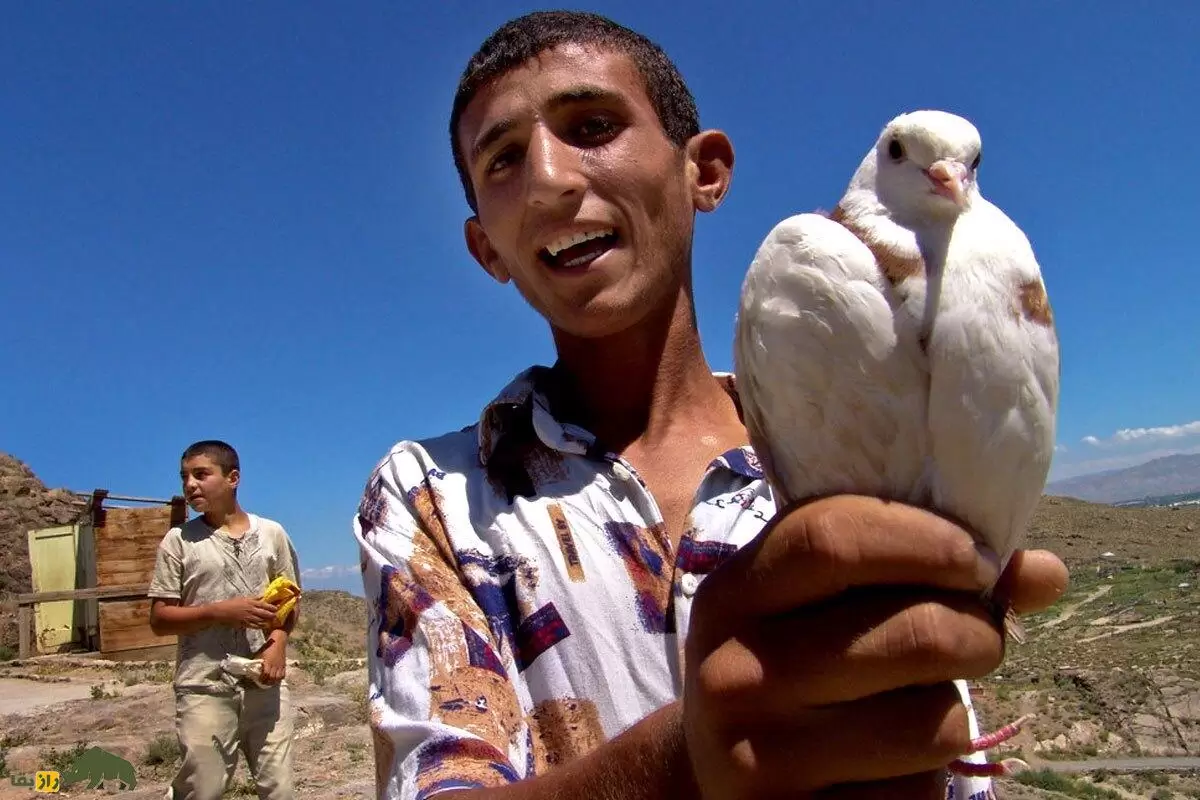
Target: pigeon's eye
(975,163)
(896,150)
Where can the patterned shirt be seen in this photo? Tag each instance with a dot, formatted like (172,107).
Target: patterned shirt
(525,601)
(198,564)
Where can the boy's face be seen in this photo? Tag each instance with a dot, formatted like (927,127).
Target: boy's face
(205,486)
(567,146)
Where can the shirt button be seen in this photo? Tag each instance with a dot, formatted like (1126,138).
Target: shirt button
(689,583)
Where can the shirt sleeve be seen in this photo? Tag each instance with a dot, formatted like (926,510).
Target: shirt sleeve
(167,580)
(444,705)
(287,563)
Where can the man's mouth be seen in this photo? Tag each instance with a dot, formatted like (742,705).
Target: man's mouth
(577,250)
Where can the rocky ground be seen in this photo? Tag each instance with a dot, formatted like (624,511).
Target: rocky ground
(129,712)
(53,707)
(1111,671)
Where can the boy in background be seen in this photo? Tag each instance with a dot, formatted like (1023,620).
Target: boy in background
(209,575)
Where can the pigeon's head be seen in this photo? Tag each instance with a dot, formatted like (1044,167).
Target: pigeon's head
(925,164)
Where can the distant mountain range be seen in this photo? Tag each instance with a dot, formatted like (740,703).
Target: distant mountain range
(1163,477)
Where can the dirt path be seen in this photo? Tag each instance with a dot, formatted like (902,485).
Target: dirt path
(1070,611)
(26,697)
(43,716)
(1165,764)
(1133,626)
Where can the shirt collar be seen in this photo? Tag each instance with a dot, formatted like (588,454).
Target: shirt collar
(521,409)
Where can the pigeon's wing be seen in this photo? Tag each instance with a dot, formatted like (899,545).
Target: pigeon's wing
(832,387)
(994,383)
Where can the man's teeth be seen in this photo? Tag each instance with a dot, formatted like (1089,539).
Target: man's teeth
(558,245)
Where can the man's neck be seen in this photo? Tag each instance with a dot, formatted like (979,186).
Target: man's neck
(234,520)
(635,386)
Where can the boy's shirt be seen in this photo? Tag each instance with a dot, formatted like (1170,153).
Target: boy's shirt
(199,564)
(525,603)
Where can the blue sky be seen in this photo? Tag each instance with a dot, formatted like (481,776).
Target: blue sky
(242,220)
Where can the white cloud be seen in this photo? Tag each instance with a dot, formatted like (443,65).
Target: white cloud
(1060,448)
(330,571)
(1127,436)
(1152,434)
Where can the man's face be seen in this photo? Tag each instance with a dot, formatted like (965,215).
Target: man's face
(584,203)
(205,486)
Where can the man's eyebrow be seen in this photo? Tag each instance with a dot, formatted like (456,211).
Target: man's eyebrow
(489,137)
(584,94)
(567,97)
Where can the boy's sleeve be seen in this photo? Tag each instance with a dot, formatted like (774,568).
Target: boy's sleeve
(287,563)
(445,712)
(167,580)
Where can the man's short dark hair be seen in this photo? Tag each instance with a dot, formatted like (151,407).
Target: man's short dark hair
(222,454)
(521,39)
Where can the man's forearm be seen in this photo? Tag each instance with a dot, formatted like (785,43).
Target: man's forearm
(647,762)
(167,620)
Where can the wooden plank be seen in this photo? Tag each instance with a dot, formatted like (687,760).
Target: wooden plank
(124,573)
(25,631)
(128,559)
(127,542)
(125,625)
(87,580)
(131,590)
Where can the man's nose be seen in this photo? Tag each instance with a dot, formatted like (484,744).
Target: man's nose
(552,169)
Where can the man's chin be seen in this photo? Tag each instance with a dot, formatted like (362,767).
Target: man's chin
(600,320)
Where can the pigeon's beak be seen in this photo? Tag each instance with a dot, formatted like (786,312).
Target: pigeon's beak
(949,180)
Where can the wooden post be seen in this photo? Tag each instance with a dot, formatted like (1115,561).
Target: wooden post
(178,511)
(24,628)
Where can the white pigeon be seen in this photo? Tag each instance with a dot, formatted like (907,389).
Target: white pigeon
(904,347)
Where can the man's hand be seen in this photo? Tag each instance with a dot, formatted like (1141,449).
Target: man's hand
(274,661)
(821,656)
(244,612)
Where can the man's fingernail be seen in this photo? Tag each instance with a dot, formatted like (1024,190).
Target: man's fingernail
(988,565)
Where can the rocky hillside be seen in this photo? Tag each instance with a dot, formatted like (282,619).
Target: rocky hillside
(25,503)
(1168,475)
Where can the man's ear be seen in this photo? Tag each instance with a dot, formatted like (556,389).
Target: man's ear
(710,168)
(234,477)
(482,250)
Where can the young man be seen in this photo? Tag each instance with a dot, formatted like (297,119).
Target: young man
(539,627)
(207,580)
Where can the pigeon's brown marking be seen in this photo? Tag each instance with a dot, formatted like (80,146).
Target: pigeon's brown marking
(894,266)
(1035,305)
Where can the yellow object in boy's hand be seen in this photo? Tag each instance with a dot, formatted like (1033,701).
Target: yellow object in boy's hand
(283,594)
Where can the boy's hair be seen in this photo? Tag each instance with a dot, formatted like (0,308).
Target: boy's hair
(222,454)
(521,39)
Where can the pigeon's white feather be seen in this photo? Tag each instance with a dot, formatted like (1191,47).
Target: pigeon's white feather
(994,382)
(904,347)
(829,387)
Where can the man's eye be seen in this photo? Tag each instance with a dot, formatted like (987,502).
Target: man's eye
(596,129)
(501,160)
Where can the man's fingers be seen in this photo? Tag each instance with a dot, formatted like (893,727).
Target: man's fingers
(922,786)
(905,732)
(1033,581)
(839,542)
(884,638)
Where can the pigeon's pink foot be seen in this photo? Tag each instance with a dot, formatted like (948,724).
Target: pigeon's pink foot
(986,742)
